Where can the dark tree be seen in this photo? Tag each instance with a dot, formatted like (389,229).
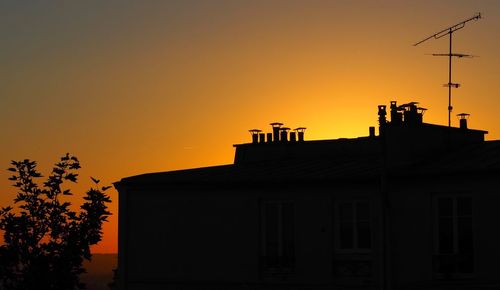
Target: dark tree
(45,242)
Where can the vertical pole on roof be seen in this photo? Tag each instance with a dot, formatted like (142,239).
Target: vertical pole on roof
(385,271)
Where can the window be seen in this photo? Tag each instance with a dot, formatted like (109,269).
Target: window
(454,236)
(352,260)
(277,235)
(353,226)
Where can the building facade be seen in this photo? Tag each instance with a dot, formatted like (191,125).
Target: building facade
(415,207)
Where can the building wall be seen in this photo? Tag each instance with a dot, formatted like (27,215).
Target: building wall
(486,218)
(413,229)
(211,236)
(184,237)
(411,236)
(192,235)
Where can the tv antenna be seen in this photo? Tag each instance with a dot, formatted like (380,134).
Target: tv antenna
(449,31)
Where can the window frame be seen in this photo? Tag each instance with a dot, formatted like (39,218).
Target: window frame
(337,221)
(455,235)
(281,269)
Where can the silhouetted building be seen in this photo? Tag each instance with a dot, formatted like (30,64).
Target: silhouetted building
(416,207)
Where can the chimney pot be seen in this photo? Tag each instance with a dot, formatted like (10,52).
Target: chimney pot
(276,131)
(396,116)
(284,134)
(269,137)
(300,133)
(463,120)
(262,138)
(255,135)
(372,131)
(381,114)
(463,123)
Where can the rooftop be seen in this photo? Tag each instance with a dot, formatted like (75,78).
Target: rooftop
(405,145)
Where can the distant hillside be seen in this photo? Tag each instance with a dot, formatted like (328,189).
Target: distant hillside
(99,271)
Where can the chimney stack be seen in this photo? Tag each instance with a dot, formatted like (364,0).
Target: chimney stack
(463,120)
(396,117)
(381,115)
(300,133)
(284,134)
(372,132)
(269,137)
(276,131)
(280,134)
(420,114)
(411,116)
(262,138)
(255,135)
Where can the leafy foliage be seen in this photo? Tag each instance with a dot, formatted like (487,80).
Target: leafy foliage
(45,241)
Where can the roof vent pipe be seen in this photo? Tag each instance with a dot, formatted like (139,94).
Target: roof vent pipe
(262,138)
(269,137)
(255,135)
(381,115)
(463,120)
(284,134)
(300,133)
(372,132)
(276,130)
(420,115)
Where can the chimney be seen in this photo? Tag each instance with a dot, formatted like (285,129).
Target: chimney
(420,114)
(411,116)
(269,137)
(255,135)
(284,134)
(396,117)
(262,138)
(463,120)
(372,132)
(300,133)
(276,130)
(293,137)
(381,115)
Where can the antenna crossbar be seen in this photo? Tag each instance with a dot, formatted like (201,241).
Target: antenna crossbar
(449,31)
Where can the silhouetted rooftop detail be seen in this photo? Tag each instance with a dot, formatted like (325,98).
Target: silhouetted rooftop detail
(337,196)
(255,135)
(463,120)
(449,31)
(480,157)
(406,134)
(475,157)
(407,141)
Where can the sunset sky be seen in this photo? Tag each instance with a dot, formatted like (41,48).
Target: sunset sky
(142,86)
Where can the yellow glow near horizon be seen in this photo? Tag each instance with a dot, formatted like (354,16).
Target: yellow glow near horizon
(132,88)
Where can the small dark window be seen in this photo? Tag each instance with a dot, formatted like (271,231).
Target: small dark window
(354,241)
(354,227)
(278,252)
(346,226)
(455,247)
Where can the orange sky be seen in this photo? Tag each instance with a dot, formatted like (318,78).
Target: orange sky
(131,87)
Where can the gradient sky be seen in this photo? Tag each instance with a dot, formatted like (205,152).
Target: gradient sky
(141,86)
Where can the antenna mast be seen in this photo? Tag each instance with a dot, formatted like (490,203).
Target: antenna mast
(449,31)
